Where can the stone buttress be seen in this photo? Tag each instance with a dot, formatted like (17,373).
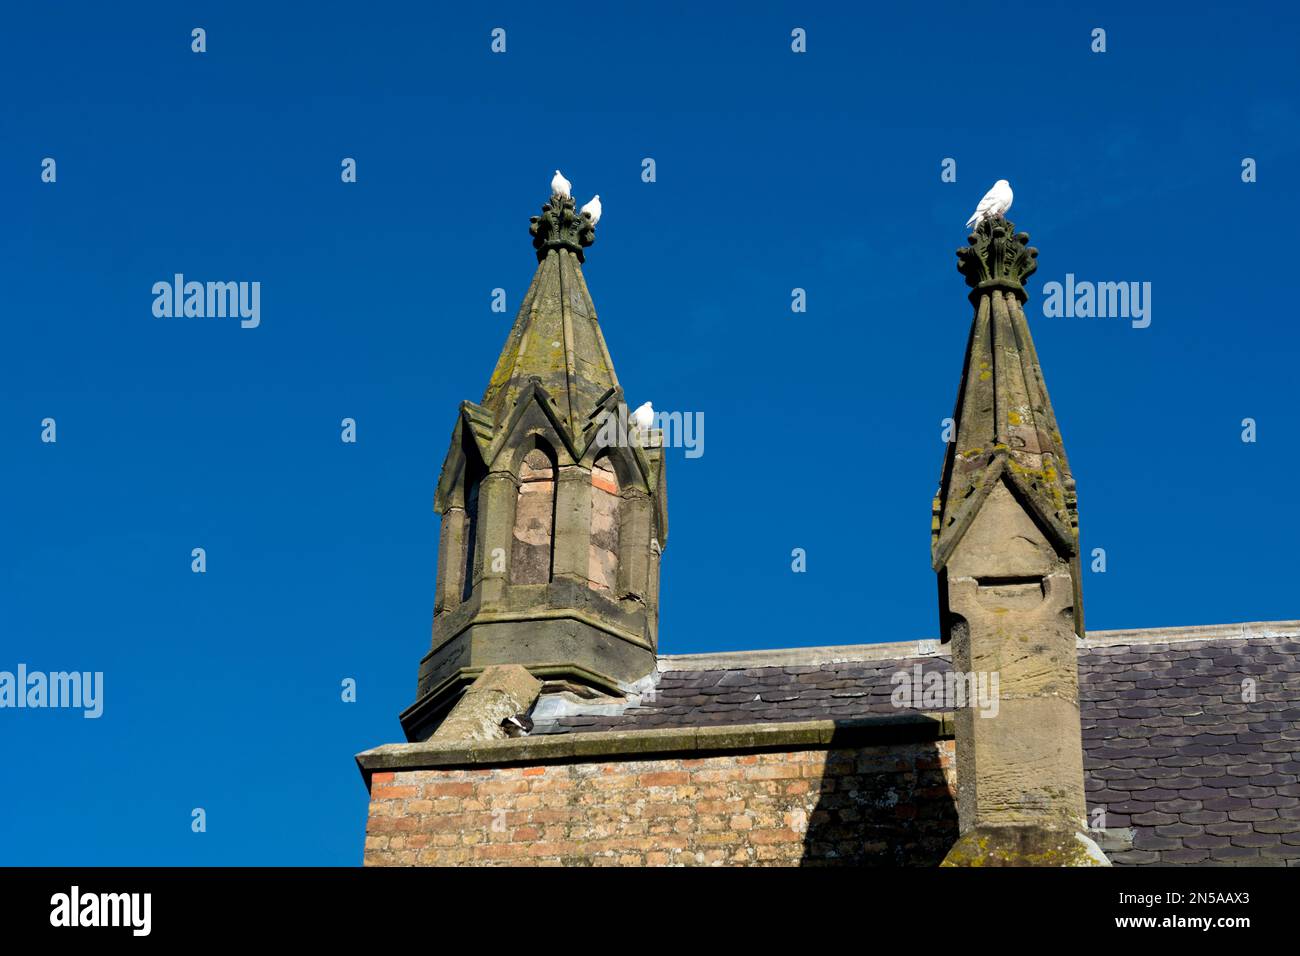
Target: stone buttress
(1006,549)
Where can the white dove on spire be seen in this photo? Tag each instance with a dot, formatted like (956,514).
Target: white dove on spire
(996,202)
(644,417)
(592,209)
(560,186)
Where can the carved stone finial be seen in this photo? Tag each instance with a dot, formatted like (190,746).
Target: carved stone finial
(561,226)
(998,257)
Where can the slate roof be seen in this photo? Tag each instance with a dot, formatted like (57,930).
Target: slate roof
(1186,772)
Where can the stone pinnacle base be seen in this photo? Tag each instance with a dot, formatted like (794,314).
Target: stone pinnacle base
(1024,846)
(502,691)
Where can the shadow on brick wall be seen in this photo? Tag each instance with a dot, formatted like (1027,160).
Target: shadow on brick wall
(882,806)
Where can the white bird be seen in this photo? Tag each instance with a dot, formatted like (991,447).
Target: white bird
(996,202)
(560,186)
(643,417)
(592,209)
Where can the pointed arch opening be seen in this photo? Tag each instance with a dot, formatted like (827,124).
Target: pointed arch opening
(473,478)
(458,535)
(533,541)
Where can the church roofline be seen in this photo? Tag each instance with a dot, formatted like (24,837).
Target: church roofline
(1190,632)
(800,656)
(577,744)
(930,647)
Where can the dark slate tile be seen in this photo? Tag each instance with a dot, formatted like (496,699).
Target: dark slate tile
(1159,794)
(1252,814)
(1229,828)
(1278,780)
(1185,857)
(1135,857)
(1278,826)
(1236,853)
(1251,792)
(1255,840)
(1159,773)
(1132,806)
(1179,830)
(1275,802)
(1203,817)
(1148,839)
(736,679)
(1276,855)
(1153,818)
(1105,795)
(1227,803)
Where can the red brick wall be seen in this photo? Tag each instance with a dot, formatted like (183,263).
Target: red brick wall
(872,805)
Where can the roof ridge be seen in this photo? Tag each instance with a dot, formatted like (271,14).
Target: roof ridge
(929,647)
(1180,633)
(796,656)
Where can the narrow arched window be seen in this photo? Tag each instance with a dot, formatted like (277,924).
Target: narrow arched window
(602,551)
(534,533)
(471,537)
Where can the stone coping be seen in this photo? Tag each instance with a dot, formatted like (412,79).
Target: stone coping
(797,656)
(1210,632)
(900,650)
(885,729)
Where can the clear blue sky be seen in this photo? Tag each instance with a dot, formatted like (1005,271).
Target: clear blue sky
(775,171)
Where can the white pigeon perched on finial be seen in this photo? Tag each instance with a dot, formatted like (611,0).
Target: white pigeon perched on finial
(643,417)
(592,209)
(995,203)
(560,186)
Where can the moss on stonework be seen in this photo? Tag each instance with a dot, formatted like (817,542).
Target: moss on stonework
(1024,846)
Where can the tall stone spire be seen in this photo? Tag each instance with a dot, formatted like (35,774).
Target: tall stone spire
(1004,539)
(1004,424)
(556,338)
(554,510)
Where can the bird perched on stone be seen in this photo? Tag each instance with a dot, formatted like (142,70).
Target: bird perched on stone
(592,209)
(560,186)
(518,726)
(995,203)
(644,417)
